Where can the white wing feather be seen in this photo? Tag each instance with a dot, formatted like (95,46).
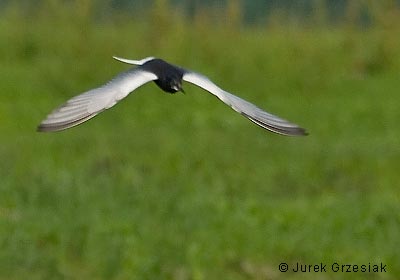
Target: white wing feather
(247,109)
(87,105)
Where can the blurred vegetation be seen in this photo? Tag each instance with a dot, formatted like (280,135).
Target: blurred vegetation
(254,11)
(179,186)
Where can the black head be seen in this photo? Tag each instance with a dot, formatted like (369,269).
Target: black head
(169,76)
(173,84)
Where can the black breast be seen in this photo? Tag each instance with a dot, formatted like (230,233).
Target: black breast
(167,74)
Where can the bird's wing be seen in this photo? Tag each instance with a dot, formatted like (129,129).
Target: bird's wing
(87,105)
(247,109)
(134,62)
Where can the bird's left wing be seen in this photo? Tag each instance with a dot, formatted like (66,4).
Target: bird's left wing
(87,105)
(133,62)
(247,109)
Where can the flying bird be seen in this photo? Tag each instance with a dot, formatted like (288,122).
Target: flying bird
(169,78)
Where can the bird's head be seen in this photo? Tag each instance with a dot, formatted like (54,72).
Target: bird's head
(176,85)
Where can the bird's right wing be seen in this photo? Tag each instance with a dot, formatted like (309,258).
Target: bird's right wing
(87,105)
(247,109)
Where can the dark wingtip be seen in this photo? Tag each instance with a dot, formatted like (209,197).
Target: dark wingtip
(297,131)
(45,128)
(303,132)
(59,126)
(282,130)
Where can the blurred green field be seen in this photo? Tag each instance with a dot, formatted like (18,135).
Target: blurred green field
(180,186)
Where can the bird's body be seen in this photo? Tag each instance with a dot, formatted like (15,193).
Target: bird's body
(169,78)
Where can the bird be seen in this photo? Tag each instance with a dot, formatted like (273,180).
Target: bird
(169,78)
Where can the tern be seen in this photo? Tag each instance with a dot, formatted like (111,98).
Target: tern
(169,78)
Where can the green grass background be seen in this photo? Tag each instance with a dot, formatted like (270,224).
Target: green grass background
(180,186)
